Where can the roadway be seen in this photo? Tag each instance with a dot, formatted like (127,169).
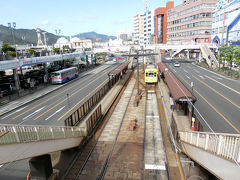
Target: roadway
(52,109)
(218,97)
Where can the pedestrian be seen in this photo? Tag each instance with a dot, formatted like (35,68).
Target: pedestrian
(171,103)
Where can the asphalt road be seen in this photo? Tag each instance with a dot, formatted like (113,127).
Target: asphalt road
(55,107)
(52,110)
(218,97)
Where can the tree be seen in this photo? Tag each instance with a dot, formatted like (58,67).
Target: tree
(221,55)
(56,50)
(8,50)
(31,52)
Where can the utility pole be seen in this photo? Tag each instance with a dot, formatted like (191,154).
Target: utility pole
(136,56)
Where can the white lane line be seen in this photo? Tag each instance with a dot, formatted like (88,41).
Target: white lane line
(152,116)
(201,77)
(217,77)
(188,77)
(13,112)
(196,70)
(224,85)
(185,71)
(55,113)
(34,113)
(155,166)
(1,165)
(174,70)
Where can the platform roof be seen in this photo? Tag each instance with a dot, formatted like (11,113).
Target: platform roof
(177,89)
(119,68)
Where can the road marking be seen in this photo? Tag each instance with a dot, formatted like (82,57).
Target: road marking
(218,93)
(67,98)
(82,100)
(224,85)
(155,166)
(224,118)
(185,71)
(13,112)
(217,77)
(174,70)
(201,77)
(55,113)
(188,77)
(196,70)
(152,116)
(77,84)
(34,113)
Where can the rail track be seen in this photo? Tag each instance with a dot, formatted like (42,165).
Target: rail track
(82,166)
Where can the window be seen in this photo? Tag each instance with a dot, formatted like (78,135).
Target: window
(221,17)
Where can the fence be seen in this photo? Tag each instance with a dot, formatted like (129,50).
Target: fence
(224,145)
(20,134)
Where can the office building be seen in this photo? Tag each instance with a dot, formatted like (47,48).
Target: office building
(190,22)
(138,28)
(148,27)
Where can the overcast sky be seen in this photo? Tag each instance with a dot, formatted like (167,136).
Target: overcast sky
(75,16)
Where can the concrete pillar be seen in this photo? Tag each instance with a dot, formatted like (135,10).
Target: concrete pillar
(16,79)
(188,54)
(87,60)
(41,167)
(91,58)
(46,73)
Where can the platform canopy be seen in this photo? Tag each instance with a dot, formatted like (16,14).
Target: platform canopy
(177,89)
(119,69)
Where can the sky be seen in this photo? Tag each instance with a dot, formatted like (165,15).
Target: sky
(75,16)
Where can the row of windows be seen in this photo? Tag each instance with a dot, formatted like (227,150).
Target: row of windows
(191,25)
(189,33)
(189,18)
(220,17)
(195,8)
(219,30)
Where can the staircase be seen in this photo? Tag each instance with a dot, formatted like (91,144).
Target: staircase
(209,56)
(21,142)
(217,152)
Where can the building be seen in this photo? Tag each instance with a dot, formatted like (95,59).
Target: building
(190,22)
(226,23)
(148,27)
(126,36)
(138,30)
(160,17)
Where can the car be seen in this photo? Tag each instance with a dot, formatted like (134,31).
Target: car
(176,64)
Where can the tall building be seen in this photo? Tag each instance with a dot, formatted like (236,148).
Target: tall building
(148,27)
(137,28)
(226,22)
(191,21)
(160,16)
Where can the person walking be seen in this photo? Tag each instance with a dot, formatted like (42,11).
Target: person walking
(171,103)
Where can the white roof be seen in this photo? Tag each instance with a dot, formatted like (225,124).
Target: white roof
(74,39)
(62,40)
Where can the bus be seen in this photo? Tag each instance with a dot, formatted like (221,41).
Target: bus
(64,75)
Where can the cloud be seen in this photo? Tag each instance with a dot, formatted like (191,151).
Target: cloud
(45,22)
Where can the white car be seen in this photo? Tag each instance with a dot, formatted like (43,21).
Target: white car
(176,64)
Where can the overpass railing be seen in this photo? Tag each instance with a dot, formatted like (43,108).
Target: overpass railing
(220,144)
(10,134)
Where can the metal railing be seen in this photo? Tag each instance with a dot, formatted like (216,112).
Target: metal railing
(224,145)
(10,134)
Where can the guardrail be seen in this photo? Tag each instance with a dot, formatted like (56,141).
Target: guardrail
(10,134)
(224,145)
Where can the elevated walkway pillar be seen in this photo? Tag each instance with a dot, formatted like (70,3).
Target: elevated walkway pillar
(16,79)
(41,167)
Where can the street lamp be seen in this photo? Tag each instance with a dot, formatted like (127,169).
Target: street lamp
(13,26)
(58,32)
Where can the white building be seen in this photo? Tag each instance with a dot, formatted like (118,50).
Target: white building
(148,27)
(125,35)
(138,28)
(74,43)
(226,23)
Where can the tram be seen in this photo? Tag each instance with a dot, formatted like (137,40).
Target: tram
(151,75)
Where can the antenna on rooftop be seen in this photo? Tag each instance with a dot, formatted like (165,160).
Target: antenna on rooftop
(145,6)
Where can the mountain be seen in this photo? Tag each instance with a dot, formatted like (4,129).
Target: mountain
(19,34)
(93,36)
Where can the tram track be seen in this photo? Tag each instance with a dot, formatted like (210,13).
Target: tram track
(93,142)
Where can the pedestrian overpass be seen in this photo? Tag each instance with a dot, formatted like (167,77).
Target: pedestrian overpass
(218,153)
